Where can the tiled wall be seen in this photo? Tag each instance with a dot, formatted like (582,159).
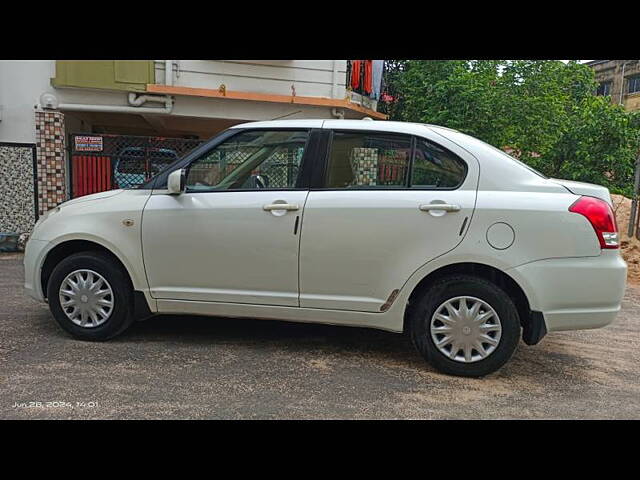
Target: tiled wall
(17,202)
(50,141)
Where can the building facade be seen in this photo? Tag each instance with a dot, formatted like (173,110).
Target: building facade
(65,126)
(619,79)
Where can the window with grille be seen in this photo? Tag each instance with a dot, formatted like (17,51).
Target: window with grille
(634,84)
(604,89)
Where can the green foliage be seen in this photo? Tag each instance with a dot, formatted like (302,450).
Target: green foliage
(544,109)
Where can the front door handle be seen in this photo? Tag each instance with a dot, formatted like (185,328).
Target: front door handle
(439,206)
(281,206)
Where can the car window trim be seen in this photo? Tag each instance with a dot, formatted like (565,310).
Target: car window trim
(464,176)
(306,145)
(321,175)
(160,181)
(329,147)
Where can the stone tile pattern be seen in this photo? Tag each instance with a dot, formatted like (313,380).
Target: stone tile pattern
(17,212)
(364,163)
(50,142)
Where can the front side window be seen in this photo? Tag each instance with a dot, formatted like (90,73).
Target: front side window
(436,167)
(634,84)
(253,160)
(368,160)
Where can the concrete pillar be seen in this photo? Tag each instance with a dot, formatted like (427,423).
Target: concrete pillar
(50,154)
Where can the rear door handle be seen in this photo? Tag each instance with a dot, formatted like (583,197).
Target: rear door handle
(439,206)
(281,206)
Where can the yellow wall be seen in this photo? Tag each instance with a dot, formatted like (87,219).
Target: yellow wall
(129,75)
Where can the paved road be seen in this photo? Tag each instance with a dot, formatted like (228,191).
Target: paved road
(189,367)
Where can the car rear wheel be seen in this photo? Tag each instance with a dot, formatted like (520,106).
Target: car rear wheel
(465,325)
(90,296)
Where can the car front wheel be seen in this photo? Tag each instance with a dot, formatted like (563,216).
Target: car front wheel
(90,296)
(465,325)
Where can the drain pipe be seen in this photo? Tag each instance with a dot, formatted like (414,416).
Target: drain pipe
(334,86)
(134,102)
(624,64)
(168,72)
(139,100)
(337,113)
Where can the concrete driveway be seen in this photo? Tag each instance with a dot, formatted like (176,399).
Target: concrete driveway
(189,367)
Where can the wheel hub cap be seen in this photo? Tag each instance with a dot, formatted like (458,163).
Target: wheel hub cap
(465,329)
(86,298)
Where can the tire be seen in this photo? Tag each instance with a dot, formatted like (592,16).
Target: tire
(119,315)
(488,296)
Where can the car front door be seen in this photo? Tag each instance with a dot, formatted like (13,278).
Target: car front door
(389,204)
(232,236)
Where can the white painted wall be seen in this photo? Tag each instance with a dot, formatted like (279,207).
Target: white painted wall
(23,81)
(312,78)
(21,84)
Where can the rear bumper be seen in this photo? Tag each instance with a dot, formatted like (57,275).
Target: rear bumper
(574,293)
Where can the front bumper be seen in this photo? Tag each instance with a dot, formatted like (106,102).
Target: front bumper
(574,293)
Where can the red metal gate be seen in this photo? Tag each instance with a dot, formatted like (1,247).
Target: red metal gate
(102,162)
(90,174)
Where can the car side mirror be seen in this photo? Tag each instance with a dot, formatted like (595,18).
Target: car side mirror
(177,181)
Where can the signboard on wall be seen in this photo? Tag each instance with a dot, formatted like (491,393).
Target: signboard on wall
(86,143)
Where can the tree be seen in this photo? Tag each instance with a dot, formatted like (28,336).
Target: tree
(545,110)
(599,145)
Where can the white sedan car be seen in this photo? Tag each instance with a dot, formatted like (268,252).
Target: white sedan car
(397,226)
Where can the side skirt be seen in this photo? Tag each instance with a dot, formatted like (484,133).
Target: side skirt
(380,321)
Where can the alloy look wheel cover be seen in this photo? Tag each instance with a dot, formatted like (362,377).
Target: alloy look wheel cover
(465,329)
(86,298)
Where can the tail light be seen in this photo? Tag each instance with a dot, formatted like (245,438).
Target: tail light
(601,217)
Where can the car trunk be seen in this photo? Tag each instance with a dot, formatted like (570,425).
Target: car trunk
(582,188)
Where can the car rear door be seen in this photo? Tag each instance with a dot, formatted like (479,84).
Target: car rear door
(385,204)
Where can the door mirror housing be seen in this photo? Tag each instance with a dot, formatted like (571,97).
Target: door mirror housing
(177,182)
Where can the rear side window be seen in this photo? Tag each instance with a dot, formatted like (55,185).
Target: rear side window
(368,160)
(436,167)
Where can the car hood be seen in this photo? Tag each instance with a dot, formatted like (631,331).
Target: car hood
(93,196)
(582,188)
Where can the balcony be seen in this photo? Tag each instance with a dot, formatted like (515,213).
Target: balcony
(316,86)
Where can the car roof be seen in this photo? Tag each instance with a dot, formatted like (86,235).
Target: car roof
(368,124)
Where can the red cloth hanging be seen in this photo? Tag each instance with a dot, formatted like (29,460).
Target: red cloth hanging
(355,73)
(368,77)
